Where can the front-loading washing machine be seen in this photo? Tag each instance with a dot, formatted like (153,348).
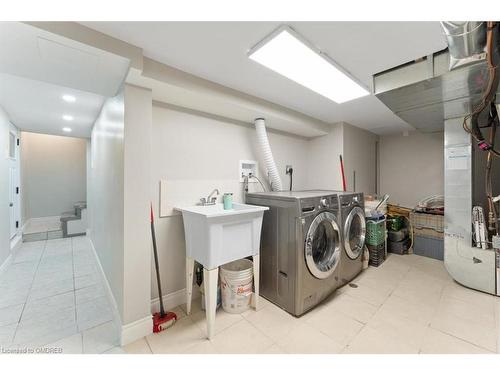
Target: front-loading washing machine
(300,247)
(353,235)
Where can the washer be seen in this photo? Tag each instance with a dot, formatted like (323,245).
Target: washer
(353,235)
(300,247)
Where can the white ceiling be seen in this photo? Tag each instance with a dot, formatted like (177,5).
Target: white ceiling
(38,106)
(217,51)
(38,67)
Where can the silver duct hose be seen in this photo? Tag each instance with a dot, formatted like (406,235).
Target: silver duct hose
(274,177)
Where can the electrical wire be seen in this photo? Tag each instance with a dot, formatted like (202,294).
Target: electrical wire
(488,94)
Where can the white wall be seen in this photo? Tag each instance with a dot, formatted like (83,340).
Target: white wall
(411,167)
(137,200)
(357,147)
(119,201)
(5,127)
(54,172)
(206,151)
(359,153)
(323,160)
(105,205)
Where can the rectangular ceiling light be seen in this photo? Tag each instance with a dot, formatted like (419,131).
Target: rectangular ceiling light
(285,53)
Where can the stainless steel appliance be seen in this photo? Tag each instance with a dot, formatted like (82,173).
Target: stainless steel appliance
(353,224)
(300,247)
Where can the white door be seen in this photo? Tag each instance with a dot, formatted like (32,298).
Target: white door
(12,201)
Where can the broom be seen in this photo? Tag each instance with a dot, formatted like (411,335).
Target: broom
(161,320)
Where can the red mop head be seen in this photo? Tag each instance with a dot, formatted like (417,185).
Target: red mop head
(162,323)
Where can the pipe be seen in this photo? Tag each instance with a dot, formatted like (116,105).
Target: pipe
(274,177)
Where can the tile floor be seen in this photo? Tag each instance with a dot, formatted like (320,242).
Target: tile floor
(407,305)
(51,296)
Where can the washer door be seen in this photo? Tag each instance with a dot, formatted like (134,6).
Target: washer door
(322,245)
(354,233)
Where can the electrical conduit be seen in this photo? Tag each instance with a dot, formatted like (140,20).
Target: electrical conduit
(274,177)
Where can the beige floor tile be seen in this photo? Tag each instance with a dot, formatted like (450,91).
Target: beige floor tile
(473,297)
(398,307)
(468,311)
(307,340)
(398,329)
(353,307)
(374,295)
(195,306)
(454,319)
(336,325)
(205,347)
(274,349)
(241,338)
(223,320)
(372,341)
(273,322)
(178,338)
(418,287)
(138,347)
(436,342)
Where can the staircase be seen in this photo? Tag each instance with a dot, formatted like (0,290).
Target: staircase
(74,223)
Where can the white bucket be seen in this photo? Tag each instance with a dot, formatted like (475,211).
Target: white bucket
(236,280)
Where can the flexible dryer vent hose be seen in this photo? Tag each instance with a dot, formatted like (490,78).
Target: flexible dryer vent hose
(274,177)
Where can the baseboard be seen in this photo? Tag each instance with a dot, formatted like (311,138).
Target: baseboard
(107,287)
(133,331)
(172,300)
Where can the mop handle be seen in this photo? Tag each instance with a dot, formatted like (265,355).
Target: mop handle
(160,295)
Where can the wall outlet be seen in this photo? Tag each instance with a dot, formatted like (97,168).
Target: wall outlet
(248,167)
(288,168)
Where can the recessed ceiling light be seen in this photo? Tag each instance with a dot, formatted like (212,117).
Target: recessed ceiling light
(66,129)
(69,98)
(288,54)
(67,118)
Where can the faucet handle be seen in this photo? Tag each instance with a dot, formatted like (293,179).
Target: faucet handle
(203,201)
(213,200)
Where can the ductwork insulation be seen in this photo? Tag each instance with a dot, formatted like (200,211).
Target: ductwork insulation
(274,177)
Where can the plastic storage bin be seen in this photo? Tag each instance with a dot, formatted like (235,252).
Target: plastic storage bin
(375,231)
(428,247)
(377,254)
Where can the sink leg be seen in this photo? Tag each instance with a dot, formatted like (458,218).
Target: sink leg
(210,279)
(256,276)
(189,283)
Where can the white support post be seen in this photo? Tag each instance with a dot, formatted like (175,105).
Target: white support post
(256,275)
(189,283)
(210,279)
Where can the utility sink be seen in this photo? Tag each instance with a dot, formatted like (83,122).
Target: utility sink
(215,236)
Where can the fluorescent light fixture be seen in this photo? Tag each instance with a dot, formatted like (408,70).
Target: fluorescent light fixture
(66,130)
(288,54)
(69,98)
(67,118)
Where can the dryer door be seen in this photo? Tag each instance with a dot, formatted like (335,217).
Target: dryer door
(354,233)
(322,245)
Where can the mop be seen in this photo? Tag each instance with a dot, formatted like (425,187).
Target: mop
(161,320)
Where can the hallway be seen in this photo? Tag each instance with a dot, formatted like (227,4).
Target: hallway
(52,296)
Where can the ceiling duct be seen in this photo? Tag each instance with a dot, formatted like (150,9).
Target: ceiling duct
(466,41)
(444,85)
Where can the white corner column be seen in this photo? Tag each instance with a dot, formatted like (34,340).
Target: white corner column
(136,316)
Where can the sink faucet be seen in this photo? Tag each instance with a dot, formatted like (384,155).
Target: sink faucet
(208,201)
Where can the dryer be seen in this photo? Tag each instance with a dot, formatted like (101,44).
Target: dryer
(300,247)
(353,235)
